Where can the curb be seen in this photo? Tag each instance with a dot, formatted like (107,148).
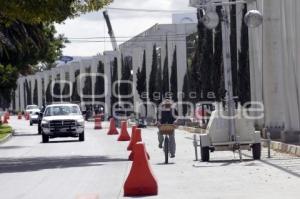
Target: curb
(192,130)
(285,148)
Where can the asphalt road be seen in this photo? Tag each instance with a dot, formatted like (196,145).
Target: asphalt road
(66,169)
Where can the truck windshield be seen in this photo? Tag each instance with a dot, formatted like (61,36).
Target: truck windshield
(62,110)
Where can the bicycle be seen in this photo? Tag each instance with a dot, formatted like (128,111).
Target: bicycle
(166,130)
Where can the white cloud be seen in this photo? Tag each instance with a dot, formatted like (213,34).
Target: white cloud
(125,24)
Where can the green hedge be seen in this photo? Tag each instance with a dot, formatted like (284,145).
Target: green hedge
(4,131)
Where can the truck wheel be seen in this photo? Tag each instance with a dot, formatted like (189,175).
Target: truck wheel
(81,137)
(45,138)
(205,154)
(30,123)
(256,151)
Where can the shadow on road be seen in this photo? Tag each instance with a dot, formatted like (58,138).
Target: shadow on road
(164,164)
(224,163)
(14,165)
(11,147)
(61,141)
(25,134)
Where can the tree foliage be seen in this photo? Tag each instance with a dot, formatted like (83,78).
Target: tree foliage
(87,87)
(33,11)
(173,78)
(244,87)
(114,77)
(75,95)
(35,92)
(23,46)
(8,78)
(233,45)
(99,84)
(125,88)
(141,85)
(49,97)
(27,33)
(57,89)
(159,83)
(165,78)
(153,75)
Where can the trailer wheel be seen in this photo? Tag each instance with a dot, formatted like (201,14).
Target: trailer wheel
(256,151)
(205,154)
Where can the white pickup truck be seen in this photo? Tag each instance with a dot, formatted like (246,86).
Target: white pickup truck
(62,120)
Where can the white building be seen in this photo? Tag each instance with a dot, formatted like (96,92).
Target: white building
(175,36)
(275,66)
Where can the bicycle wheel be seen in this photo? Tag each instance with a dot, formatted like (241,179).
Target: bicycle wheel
(166,149)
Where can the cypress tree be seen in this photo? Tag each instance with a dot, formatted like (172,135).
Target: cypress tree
(159,83)
(173,78)
(233,46)
(141,85)
(125,88)
(99,84)
(114,77)
(66,92)
(35,92)
(75,95)
(28,91)
(217,67)
(153,75)
(205,64)
(165,80)
(87,89)
(244,86)
(57,90)
(49,97)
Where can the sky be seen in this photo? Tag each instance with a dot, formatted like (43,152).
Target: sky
(126,24)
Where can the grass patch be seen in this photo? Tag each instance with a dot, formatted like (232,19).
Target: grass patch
(4,131)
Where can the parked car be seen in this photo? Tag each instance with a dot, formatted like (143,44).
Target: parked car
(141,123)
(32,109)
(34,117)
(62,120)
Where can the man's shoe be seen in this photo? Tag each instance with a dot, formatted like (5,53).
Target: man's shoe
(160,146)
(172,156)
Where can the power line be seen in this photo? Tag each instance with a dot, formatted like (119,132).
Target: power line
(147,10)
(104,41)
(125,37)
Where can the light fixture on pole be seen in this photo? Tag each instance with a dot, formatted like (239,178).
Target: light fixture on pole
(211,20)
(253,18)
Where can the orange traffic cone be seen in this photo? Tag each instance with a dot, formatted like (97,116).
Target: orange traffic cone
(98,122)
(5,121)
(137,137)
(129,148)
(112,128)
(19,116)
(7,115)
(26,116)
(124,136)
(140,181)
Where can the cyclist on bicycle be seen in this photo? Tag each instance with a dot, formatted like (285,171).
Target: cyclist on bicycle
(167,116)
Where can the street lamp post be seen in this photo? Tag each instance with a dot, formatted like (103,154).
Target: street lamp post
(211,19)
